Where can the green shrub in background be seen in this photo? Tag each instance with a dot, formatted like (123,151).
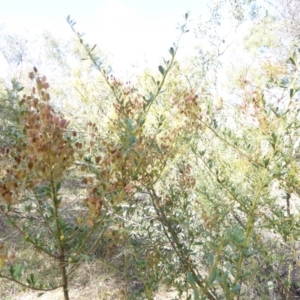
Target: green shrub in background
(206,206)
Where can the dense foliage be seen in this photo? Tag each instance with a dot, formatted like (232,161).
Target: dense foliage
(199,193)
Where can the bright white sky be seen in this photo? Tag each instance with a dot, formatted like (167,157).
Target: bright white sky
(131,30)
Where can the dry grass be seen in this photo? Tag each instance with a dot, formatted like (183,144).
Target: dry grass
(95,279)
(92,281)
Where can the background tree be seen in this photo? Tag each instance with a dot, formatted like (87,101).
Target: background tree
(198,186)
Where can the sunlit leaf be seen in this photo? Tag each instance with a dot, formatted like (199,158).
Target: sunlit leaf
(161,70)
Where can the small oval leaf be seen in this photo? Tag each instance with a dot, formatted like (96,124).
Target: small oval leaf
(161,70)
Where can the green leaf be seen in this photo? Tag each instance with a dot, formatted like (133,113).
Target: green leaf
(248,253)
(18,271)
(266,161)
(292,61)
(215,123)
(12,270)
(201,153)
(196,295)
(132,139)
(161,70)
(213,276)
(93,48)
(191,279)
(149,97)
(87,257)
(32,279)
(58,185)
(210,259)
(40,294)
(58,200)
(88,159)
(240,239)
(236,288)
(172,52)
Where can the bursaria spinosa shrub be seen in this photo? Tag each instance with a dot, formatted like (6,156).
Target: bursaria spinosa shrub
(129,156)
(34,165)
(42,152)
(190,197)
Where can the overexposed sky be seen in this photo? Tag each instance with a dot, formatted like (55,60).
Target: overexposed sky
(132,31)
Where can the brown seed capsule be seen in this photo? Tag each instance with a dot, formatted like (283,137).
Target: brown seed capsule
(31,75)
(46,85)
